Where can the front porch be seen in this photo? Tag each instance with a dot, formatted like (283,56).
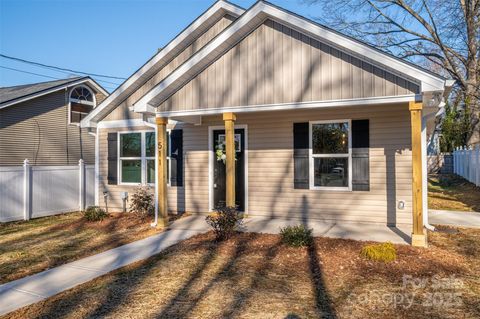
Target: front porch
(271,190)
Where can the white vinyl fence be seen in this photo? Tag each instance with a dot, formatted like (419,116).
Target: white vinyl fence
(34,191)
(466,163)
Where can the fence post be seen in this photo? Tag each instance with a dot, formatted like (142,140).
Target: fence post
(81,188)
(465,162)
(454,161)
(26,190)
(471,162)
(460,161)
(477,167)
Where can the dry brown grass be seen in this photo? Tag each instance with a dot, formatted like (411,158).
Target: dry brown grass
(452,192)
(255,276)
(39,244)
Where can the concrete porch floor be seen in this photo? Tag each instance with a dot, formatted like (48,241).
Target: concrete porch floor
(346,230)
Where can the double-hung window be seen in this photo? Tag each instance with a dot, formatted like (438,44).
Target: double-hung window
(137,158)
(330,155)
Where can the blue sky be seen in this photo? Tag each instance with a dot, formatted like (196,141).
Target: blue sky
(111,37)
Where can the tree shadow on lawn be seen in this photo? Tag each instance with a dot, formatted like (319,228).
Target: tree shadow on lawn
(60,243)
(253,274)
(449,187)
(228,276)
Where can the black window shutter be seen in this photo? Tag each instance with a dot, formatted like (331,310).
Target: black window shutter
(360,155)
(300,156)
(176,158)
(112,158)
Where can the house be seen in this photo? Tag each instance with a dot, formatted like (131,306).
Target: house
(40,122)
(275,114)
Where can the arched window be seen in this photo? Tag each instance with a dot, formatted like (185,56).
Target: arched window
(82,101)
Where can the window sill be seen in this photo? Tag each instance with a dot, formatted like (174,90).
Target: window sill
(330,189)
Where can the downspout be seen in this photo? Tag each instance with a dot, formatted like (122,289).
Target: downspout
(97,165)
(426,224)
(146,123)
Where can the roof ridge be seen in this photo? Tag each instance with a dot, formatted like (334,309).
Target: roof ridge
(44,82)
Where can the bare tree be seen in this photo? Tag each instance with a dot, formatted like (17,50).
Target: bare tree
(442,35)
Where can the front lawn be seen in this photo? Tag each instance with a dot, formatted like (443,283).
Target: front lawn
(255,276)
(452,192)
(28,247)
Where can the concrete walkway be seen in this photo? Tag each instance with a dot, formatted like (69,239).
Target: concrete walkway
(31,289)
(454,218)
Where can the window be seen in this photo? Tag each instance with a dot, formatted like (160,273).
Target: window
(81,102)
(330,155)
(137,158)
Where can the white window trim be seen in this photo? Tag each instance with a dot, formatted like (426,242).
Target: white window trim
(70,100)
(143,158)
(311,156)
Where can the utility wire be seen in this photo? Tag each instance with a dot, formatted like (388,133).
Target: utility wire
(69,73)
(59,68)
(45,76)
(12,69)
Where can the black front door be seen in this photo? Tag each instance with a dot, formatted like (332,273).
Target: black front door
(219,175)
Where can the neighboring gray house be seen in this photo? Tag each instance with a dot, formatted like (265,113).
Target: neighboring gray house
(40,122)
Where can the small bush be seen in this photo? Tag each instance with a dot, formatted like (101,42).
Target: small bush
(95,213)
(296,236)
(225,222)
(142,201)
(385,252)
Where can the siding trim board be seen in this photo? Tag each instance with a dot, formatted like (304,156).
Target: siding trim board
(292,106)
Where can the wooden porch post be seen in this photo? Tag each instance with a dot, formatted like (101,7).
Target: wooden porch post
(162,170)
(229,119)
(418,234)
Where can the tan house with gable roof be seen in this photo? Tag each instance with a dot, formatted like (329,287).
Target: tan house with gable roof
(268,111)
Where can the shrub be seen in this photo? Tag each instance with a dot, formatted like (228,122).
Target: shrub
(95,213)
(225,222)
(385,252)
(142,201)
(296,236)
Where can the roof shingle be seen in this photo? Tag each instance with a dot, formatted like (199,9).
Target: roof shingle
(11,93)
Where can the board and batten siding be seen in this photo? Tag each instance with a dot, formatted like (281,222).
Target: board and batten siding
(270,168)
(122,112)
(276,64)
(176,200)
(38,129)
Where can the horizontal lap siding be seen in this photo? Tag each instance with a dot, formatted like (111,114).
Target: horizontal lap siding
(270,161)
(276,64)
(121,112)
(175,194)
(37,129)
(270,173)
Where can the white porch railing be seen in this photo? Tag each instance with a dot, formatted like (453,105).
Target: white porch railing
(466,163)
(34,191)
